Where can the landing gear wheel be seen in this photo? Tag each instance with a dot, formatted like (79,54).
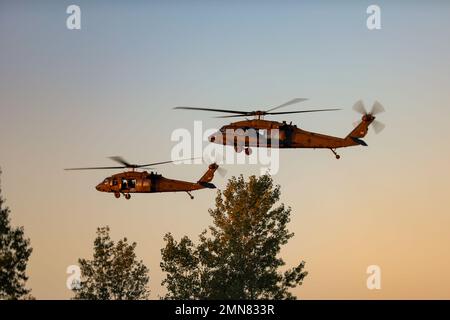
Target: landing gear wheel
(335,154)
(117,195)
(248,151)
(128,196)
(238,149)
(190,195)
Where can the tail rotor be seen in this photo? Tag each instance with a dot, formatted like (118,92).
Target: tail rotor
(217,158)
(377,108)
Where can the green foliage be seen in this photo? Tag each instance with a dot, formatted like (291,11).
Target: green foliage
(237,258)
(14,253)
(114,273)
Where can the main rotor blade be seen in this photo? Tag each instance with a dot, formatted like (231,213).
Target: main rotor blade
(152,164)
(293,101)
(376,108)
(163,162)
(211,109)
(359,107)
(128,165)
(304,111)
(378,126)
(276,113)
(95,168)
(234,116)
(121,160)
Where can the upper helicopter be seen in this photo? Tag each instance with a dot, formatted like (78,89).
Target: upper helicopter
(258,132)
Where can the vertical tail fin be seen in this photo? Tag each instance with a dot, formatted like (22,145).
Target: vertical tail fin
(208,176)
(361,129)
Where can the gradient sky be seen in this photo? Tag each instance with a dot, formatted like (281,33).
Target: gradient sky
(72,98)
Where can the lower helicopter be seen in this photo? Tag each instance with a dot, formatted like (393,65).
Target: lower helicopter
(133,181)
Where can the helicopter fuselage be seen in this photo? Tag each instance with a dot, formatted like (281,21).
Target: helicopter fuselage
(273,134)
(145,182)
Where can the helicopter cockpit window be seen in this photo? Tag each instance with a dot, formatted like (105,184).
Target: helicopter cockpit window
(106,181)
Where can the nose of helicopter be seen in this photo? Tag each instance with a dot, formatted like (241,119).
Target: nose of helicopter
(99,187)
(215,137)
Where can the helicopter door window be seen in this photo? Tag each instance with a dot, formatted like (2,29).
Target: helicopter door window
(262,133)
(114,182)
(128,183)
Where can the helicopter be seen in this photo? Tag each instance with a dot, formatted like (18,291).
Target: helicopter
(257,132)
(133,181)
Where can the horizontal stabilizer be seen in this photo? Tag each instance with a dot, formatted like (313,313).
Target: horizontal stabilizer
(359,141)
(207,185)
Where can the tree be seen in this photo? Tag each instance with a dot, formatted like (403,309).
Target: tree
(114,273)
(14,253)
(238,257)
